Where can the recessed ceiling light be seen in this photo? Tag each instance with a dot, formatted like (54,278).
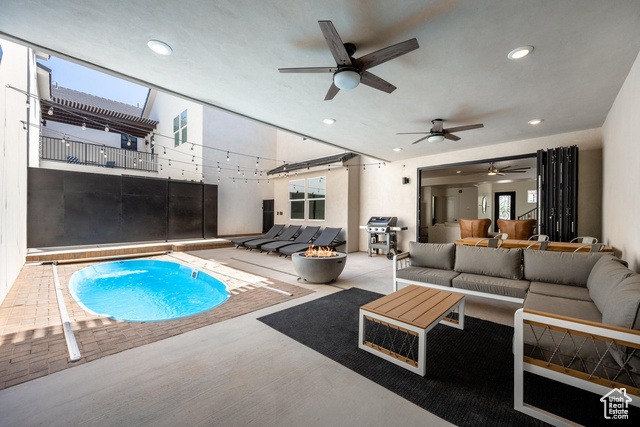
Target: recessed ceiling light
(397,149)
(520,52)
(535,121)
(329,121)
(161,48)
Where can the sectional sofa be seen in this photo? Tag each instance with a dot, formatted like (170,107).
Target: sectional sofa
(580,316)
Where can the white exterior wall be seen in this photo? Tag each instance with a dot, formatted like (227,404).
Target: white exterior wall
(16,61)
(382,192)
(239,203)
(91,136)
(163,108)
(621,174)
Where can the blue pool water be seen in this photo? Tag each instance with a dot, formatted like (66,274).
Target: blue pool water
(146,291)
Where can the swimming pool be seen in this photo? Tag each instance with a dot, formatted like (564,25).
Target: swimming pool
(146,290)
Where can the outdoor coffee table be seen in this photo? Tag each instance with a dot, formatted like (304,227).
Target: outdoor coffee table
(394,323)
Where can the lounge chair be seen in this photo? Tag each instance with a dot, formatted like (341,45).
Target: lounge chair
(273,232)
(326,239)
(286,236)
(304,237)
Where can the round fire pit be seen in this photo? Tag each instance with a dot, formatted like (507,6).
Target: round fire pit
(316,269)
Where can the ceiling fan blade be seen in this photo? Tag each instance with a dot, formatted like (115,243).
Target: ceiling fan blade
(451,137)
(499,174)
(333,91)
(461,128)
(505,168)
(421,139)
(376,82)
(512,171)
(522,168)
(413,133)
(309,70)
(386,54)
(335,43)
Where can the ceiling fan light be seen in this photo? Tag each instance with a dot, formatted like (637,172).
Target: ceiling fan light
(346,79)
(436,138)
(492,173)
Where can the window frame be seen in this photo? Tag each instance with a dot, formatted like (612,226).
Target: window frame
(308,199)
(180,130)
(302,200)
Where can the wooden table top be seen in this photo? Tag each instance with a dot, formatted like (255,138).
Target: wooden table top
(415,305)
(512,243)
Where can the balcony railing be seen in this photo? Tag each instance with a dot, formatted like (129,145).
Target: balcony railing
(75,152)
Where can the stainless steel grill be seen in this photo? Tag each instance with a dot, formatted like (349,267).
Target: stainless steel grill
(382,234)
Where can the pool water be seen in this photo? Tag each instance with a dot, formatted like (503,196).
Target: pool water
(146,291)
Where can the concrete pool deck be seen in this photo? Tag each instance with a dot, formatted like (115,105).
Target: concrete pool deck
(235,372)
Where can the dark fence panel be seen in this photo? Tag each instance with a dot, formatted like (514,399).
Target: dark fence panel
(210,211)
(185,210)
(75,208)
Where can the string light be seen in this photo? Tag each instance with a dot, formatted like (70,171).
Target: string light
(378,165)
(50,112)
(193,158)
(238,170)
(218,179)
(347,168)
(196,166)
(234,180)
(364,167)
(160,168)
(84,126)
(329,168)
(106,128)
(192,146)
(182,172)
(227,156)
(165,150)
(257,161)
(245,181)
(255,173)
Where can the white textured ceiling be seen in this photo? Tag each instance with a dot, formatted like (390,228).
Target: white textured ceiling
(227,53)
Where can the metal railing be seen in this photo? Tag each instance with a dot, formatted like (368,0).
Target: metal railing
(532,214)
(82,153)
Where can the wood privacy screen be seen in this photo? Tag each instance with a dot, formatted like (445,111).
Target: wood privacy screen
(76,208)
(558,193)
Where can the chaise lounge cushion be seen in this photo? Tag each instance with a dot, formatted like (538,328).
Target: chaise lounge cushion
(492,285)
(564,268)
(497,262)
(605,276)
(432,255)
(427,275)
(561,291)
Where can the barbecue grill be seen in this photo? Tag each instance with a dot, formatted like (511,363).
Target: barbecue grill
(382,234)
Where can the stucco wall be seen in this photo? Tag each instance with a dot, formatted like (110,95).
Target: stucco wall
(382,192)
(621,171)
(14,139)
(239,203)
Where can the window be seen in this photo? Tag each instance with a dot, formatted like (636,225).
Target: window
(129,142)
(296,199)
(180,129)
(316,195)
(532,196)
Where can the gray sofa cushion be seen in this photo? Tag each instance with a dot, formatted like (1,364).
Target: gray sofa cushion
(605,276)
(623,306)
(585,310)
(623,309)
(427,275)
(565,268)
(492,285)
(562,291)
(432,255)
(497,262)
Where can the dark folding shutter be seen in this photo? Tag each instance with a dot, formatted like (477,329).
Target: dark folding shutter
(558,193)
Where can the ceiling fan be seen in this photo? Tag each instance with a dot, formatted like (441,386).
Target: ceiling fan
(350,72)
(438,134)
(493,170)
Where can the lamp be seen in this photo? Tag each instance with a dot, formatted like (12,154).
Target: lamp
(346,79)
(436,138)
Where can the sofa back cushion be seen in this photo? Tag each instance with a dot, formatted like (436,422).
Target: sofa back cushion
(623,305)
(497,262)
(432,255)
(564,268)
(605,276)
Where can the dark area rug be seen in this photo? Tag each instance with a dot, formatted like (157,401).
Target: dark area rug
(469,378)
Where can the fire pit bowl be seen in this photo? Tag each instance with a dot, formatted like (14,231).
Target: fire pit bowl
(315,269)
